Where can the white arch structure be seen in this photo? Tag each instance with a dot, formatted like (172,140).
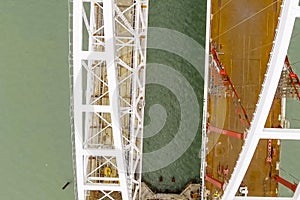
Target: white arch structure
(289,12)
(109,56)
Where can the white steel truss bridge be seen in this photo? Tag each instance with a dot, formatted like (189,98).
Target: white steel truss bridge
(108,65)
(290,10)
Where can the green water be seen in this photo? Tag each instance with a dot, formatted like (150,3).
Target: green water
(35,142)
(188,18)
(290,151)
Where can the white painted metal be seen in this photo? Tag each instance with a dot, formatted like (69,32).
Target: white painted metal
(113,90)
(205,101)
(297,193)
(109,65)
(283,110)
(282,134)
(77,96)
(263,198)
(272,76)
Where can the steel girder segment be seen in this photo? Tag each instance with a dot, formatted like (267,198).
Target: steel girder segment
(109,50)
(297,192)
(281,134)
(272,76)
(263,198)
(77,96)
(113,92)
(137,96)
(205,101)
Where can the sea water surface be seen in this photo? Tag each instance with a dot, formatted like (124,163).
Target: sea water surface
(35,142)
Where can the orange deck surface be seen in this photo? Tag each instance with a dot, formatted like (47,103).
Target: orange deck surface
(243,31)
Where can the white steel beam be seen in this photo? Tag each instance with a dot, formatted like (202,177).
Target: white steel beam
(272,76)
(103,179)
(297,192)
(91,55)
(102,187)
(113,89)
(101,152)
(77,96)
(205,100)
(296,11)
(264,198)
(96,108)
(282,134)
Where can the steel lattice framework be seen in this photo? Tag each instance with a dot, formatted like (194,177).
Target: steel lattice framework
(290,11)
(109,65)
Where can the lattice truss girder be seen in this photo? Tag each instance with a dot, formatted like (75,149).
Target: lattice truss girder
(109,50)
